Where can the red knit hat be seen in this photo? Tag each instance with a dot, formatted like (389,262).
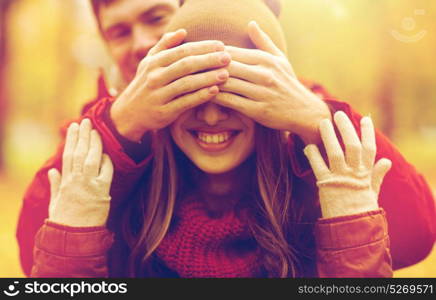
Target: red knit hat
(227,20)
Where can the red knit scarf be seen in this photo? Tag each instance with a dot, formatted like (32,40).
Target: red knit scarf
(198,245)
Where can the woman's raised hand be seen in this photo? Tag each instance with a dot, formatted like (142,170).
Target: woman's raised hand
(351,182)
(80,195)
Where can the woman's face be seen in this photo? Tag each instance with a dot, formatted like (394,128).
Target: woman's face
(216,139)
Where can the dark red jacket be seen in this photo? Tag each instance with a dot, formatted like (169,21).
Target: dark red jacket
(404,196)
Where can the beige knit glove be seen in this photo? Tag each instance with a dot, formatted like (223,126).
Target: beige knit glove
(352,183)
(80,196)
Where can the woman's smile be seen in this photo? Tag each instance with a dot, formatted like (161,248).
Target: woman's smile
(214,140)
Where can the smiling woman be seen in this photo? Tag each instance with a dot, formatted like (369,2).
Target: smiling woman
(204,163)
(215,138)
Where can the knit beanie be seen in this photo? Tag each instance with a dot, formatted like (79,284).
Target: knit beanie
(227,21)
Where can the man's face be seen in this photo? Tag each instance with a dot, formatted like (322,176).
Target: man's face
(132,27)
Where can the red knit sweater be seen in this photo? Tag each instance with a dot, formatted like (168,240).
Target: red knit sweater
(201,245)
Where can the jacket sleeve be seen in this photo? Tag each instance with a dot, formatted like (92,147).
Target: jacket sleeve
(37,196)
(405,195)
(353,246)
(63,251)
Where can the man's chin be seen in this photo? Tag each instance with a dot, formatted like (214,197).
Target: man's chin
(121,82)
(128,77)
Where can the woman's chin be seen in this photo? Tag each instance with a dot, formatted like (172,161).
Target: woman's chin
(214,166)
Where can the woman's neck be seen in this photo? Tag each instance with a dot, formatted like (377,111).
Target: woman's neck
(223,191)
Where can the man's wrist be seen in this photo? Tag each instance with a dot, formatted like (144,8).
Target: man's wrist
(123,124)
(137,151)
(312,116)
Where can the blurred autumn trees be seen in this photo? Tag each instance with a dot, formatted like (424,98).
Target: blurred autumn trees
(366,53)
(4,9)
(52,65)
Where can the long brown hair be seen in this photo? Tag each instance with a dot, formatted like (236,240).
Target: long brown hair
(148,218)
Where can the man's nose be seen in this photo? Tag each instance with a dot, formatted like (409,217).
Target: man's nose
(211,113)
(143,41)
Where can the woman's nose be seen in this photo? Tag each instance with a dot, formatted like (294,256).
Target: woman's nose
(211,113)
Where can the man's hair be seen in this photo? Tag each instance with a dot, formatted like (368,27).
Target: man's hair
(96,4)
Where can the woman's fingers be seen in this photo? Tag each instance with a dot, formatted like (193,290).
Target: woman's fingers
(332,146)
(353,147)
(107,169)
(82,148)
(93,159)
(369,147)
(379,172)
(54,177)
(316,161)
(70,146)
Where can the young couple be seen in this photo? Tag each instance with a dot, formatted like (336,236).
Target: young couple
(216,161)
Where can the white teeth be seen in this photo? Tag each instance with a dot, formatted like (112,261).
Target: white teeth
(214,138)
